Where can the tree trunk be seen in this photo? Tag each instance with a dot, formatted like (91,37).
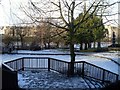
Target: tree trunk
(72,54)
(21,38)
(45,46)
(99,44)
(81,46)
(86,46)
(57,45)
(89,45)
(94,44)
(48,45)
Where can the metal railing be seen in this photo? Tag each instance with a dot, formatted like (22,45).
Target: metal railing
(35,63)
(87,69)
(17,64)
(81,68)
(59,65)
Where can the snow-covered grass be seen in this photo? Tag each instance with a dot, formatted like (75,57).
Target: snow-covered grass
(47,51)
(113,55)
(102,62)
(46,79)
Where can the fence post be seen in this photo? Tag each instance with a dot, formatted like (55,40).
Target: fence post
(22,64)
(48,64)
(68,72)
(83,69)
(103,77)
(16,65)
(117,76)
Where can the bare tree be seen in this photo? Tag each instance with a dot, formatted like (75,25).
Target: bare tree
(22,32)
(47,36)
(67,11)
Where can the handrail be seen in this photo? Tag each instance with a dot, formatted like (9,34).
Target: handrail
(59,60)
(61,67)
(13,60)
(11,69)
(36,57)
(45,58)
(15,64)
(95,66)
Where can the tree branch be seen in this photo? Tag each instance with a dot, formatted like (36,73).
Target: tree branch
(58,26)
(62,17)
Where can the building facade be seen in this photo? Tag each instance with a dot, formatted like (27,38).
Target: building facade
(111,30)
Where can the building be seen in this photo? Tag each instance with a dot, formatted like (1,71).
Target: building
(16,30)
(112,29)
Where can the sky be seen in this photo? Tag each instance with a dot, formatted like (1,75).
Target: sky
(7,10)
(10,11)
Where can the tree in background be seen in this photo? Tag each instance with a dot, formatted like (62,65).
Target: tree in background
(9,39)
(22,32)
(84,33)
(47,36)
(59,37)
(99,32)
(88,32)
(67,10)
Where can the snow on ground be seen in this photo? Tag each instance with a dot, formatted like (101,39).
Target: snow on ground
(46,79)
(113,55)
(41,79)
(47,51)
(102,62)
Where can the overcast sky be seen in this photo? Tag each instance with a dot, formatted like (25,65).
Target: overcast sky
(10,7)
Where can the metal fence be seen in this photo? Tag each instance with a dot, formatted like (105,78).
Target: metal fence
(17,64)
(89,70)
(35,63)
(81,68)
(59,65)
